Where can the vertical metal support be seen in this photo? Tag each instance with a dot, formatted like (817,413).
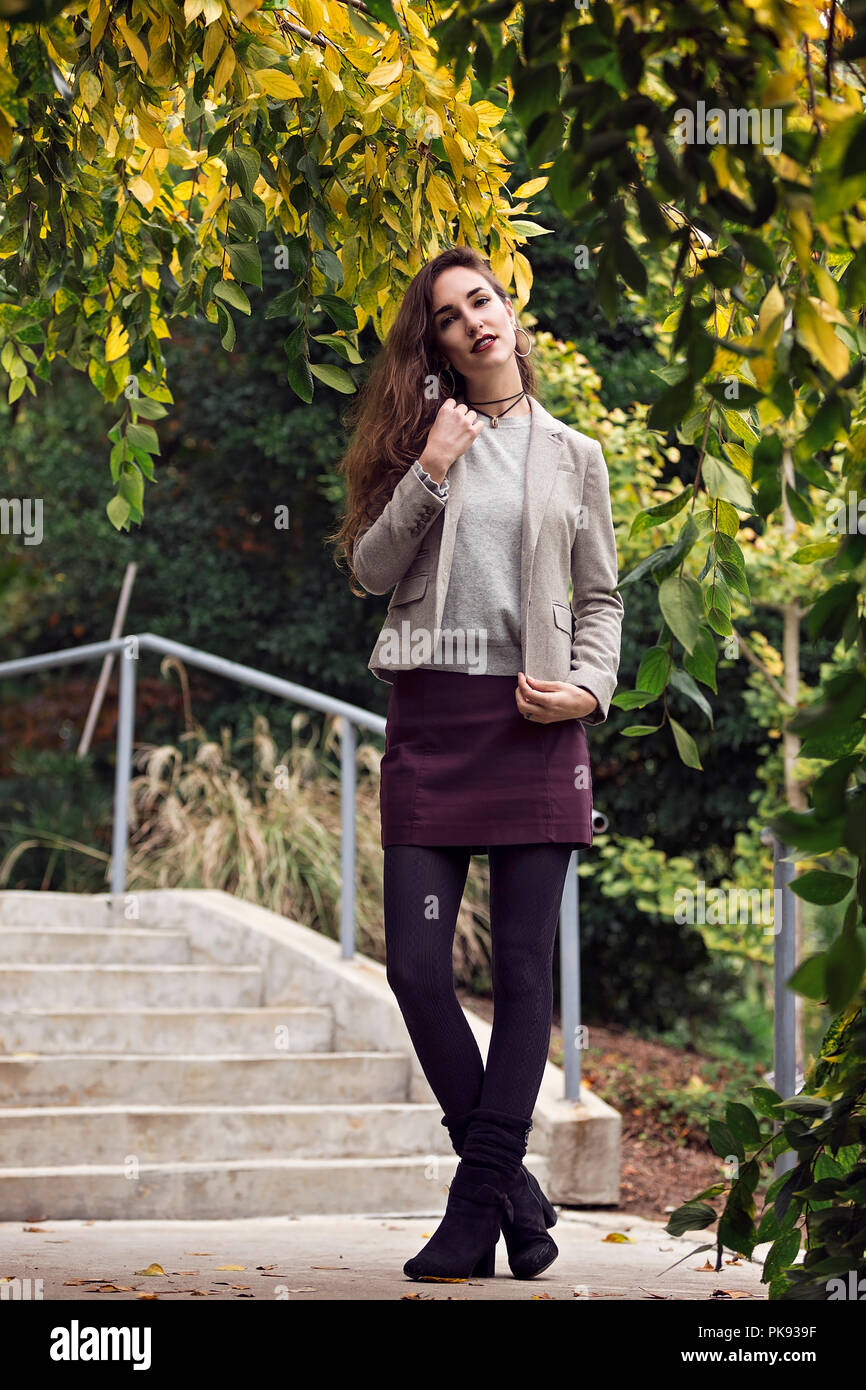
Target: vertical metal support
(569,979)
(122,771)
(784,999)
(347,843)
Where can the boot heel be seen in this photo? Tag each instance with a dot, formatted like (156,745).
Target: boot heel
(486,1266)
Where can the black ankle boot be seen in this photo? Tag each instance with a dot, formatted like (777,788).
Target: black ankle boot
(530,1249)
(464,1244)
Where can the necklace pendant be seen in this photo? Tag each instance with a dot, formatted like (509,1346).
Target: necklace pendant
(494,422)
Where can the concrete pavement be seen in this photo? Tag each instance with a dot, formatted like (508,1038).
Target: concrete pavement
(359,1258)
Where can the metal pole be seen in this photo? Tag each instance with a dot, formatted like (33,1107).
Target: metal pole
(108,661)
(347,844)
(125,727)
(784,999)
(569,970)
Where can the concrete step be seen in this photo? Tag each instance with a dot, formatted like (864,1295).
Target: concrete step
(93,945)
(264,1030)
(288,1078)
(135,986)
(111,1134)
(412,1185)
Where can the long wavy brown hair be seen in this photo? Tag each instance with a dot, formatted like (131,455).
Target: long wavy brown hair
(392,413)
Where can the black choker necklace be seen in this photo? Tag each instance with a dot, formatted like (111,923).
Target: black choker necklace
(494,419)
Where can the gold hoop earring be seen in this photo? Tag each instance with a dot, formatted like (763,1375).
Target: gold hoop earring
(453,391)
(528,339)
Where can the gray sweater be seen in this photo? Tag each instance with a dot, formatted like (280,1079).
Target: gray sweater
(483,598)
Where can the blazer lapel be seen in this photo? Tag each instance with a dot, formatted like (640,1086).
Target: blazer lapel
(546,441)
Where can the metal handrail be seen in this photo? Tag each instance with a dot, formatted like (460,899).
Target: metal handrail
(352,716)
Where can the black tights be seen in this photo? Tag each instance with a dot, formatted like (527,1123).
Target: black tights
(423,887)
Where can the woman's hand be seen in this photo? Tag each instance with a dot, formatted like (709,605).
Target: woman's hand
(452,432)
(547,701)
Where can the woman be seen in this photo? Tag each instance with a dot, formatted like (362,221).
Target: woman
(480,507)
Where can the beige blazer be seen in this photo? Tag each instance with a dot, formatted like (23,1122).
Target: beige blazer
(568,534)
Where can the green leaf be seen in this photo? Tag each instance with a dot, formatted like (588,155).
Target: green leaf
(148,408)
(724,1142)
(686,746)
(118,510)
(330,265)
(246,262)
(672,405)
(300,378)
(231,292)
(810,978)
(701,663)
(243,168)
(640,730)
(661,512)
(742,1123)
(722,480)
(227,327)
(333,376)
(683,682)
(633,699)
(820,886)
(653,673)
(144,437)
(346,348)
(682,604)
(781,1255)
(763,1099)
(691,1216)
(846,961)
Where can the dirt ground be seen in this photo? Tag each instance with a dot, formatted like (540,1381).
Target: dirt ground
(661,1168)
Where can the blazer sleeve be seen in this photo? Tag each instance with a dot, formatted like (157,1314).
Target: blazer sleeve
(384,551)
(598,611)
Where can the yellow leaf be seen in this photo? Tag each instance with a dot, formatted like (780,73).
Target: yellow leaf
(278,84)
(150,134)
(151,1269)
(817,335)
(230,1266)
(90,88)
(133,43)
(214,40)
(772,307)
(225,68)
(385,73)
(192,9)
(617,1238)
(528,190)
(522,277)
(142,190)
(117,342)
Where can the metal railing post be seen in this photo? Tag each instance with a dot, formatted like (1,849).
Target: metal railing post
(123,769)
(569,977)
(784,999)
(347,837)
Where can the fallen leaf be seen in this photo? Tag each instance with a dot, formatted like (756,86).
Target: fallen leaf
(151,1269)
(617,1237)
(147,1295)
(241,1267)
(700,1269)
(40,1230)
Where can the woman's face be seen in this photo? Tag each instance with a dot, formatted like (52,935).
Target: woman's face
(466,310)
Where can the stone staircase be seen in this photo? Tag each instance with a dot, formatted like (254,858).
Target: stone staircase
(185,1054)
(138,1080)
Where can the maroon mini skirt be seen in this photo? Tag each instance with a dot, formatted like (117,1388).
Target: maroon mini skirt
(462,766)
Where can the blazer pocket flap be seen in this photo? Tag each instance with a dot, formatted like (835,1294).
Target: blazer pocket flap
(566,467)
(413,587)
(562,616)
